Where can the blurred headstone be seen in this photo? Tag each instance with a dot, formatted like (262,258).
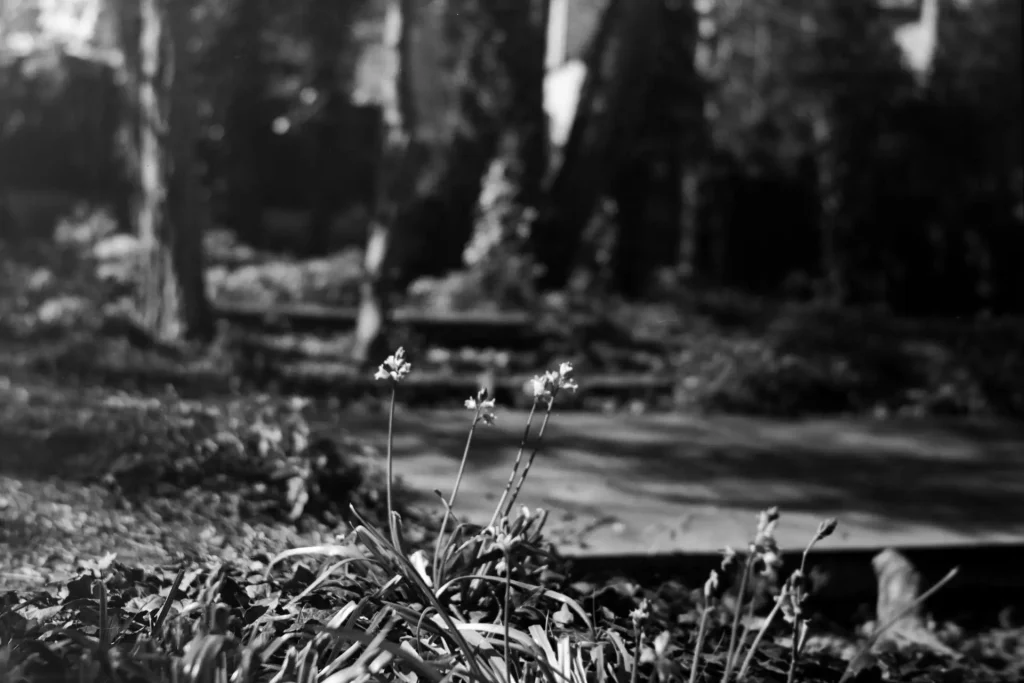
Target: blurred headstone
(899,587)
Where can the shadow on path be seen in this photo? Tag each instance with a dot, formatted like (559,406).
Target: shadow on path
(961,476)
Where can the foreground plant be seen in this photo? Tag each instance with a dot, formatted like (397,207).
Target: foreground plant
(477,570)
(544,388)
(394,369)
(763,551)
(483,411)
(481,608)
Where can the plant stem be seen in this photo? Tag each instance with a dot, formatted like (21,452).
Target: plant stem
(746,627)
(791,674)
(760,634)
(515,465)
(639,638)
(698,648)
(730,655)
(391,469)
(529,461)
(797,618)
(508,617)
(451,499)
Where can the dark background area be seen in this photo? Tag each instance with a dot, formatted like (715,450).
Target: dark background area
(927,178)
(804,221)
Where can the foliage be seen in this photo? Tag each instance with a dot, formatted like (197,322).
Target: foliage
(262,453)
(789,67)
(331,280)
(752,355)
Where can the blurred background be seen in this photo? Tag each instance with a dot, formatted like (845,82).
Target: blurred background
(789,198)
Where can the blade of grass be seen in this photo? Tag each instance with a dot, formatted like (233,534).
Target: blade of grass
(413,576)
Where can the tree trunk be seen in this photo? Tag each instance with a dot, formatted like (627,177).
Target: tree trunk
(325,21)
(393,185)
(618,71)
(510,73)
(456,82)
(691,180)
(649,184)
(829,186)
(326,166)
(695,143)
(245,123)
(521,58)
(171,295)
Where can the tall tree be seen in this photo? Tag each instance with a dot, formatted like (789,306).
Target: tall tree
(325,21)
(384,68)
(619,68)
(508,77)
(459,85)
(694,139)
(515,76)
(799,94)
(168,216)
(244,122)
(657,178)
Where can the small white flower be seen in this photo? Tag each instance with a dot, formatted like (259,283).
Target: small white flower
(711,585)
(421,564)
(728,557)
(538,387)
(483,405)
(772,562)
(641,612)
(766,522)
(563,380)
(552,381)
(505,541)
(395,367)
